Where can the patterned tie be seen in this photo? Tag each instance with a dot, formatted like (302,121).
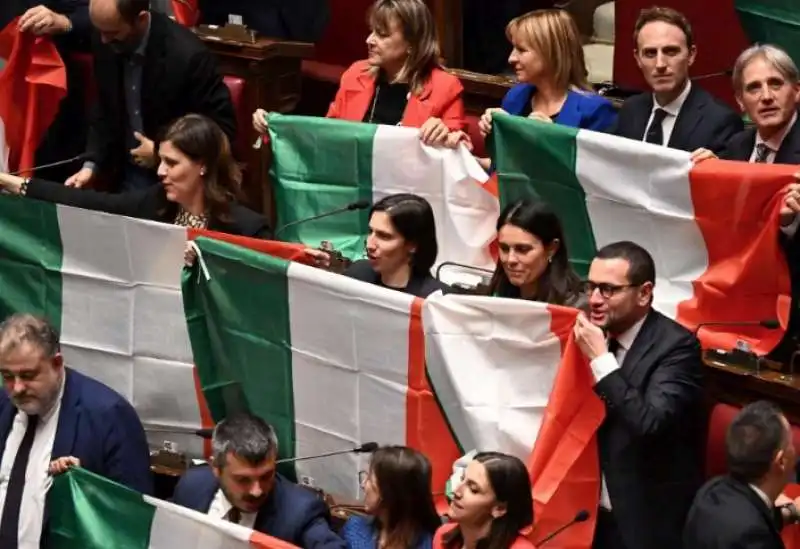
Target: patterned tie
(9,523)
(234,515)
(655,133)
(762,153)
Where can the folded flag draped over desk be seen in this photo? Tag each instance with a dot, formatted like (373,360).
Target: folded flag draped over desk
(32,83)
(90,512)
(333,362)
(712,229)
(320,164)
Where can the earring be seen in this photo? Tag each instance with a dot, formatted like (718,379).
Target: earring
(202,171)
(550,259)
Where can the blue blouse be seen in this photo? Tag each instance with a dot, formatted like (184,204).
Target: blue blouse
(581,109)
(360,533)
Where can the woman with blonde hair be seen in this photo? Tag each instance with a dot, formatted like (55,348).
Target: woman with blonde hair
(402,81)
(547,57)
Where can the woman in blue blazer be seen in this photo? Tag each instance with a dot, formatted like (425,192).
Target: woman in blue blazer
(547,57)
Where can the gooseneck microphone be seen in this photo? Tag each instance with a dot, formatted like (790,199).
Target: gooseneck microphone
(82,156)
(580,516)
(358,205)
(366,448)
(769,324)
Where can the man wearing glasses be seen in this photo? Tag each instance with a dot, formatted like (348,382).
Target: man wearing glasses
(648,372)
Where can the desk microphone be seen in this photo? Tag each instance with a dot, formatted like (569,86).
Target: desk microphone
(82,156)
(769,324)
(580,516)
(366,448)
(358,205)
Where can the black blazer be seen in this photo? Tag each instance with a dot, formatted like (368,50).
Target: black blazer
(728,514)
(179,76)
(150,203)
(703,122)
(652,440)
(740,146)
(302,20)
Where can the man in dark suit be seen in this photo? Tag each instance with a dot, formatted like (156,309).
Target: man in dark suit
(242,486)
(149,71)
(303,20)
(677,113)
(737,511)
(648,371)
(49,412)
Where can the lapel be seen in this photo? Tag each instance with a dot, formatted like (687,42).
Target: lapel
(6,421)
(570,114)
(634,362)
(418,108)
(271,509)
(68,417)
(689,117)
(207,492)
(789,153)
(360,96)
(640,119)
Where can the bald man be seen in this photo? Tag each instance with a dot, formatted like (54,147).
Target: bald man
(149,71)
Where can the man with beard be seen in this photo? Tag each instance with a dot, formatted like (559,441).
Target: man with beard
(648,372)
(242,486)
(50,413)
(148,71)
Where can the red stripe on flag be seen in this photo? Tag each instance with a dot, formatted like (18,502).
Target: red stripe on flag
(263,541)
(747,275)
(564,463)
(206,421)
(32,84)
(426,428)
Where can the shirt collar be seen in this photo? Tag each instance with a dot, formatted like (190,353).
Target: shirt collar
(227,505)
(774,143)
(57,404)
(626,338)
(674,107)
(760,493)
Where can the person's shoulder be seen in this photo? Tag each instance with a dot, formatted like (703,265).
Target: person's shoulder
(711,102)
(591,98)
(361,270)
(671,333)
(178,40)
(95,395)
(430,285)
(355,70)
(637,102)
(441,77)
(357,525)
(248,222)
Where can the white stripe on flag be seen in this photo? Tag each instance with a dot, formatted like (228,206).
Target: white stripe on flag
(492,362)
(349,369)
(123,321)
(176,527)
(451,180)
(658,212)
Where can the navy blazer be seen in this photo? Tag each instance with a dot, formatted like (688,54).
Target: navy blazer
(97,426)
(703,121)
(581,109)
(291,513)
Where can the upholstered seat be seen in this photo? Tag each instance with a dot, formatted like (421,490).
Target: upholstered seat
(243,117)
(599,51)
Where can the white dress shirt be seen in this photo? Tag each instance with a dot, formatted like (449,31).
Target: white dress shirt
(760,493)
(773,143)
(37,478)
(673,109)
(220,506)
(604,365)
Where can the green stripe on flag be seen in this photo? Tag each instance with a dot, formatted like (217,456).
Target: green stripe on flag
(319,165)
(30,258)
(92,512)
(538,160)
(242,365)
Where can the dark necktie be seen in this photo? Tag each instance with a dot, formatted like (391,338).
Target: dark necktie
(655,133)
(9,523)
(762,153)
(613,346)
(234,515)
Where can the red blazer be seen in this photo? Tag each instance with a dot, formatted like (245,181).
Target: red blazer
(520,543)
(441,97)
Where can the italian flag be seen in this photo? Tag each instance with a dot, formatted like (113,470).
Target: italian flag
(321,164)
(334,362)
(91,512)
(32,83)
(712,229)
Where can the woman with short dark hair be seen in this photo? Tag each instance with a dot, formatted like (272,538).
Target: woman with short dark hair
(397,497)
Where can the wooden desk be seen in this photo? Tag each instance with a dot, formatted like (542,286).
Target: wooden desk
(271,71)
(740,386)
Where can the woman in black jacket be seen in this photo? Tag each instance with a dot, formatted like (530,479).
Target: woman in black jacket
(200,183)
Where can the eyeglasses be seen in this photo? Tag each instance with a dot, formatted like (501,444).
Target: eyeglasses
(606,290)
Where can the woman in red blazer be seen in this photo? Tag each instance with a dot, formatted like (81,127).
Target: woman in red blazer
(491,508)
(401,82)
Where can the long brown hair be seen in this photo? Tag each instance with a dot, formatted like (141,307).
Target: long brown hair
(203,141)
(403,478)
(554,36)
(419,30)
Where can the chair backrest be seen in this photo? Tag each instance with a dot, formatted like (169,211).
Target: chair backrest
(243,117)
